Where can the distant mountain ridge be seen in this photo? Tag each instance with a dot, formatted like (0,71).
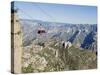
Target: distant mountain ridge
(81,35)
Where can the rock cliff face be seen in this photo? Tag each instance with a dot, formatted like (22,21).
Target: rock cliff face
(16,43)
(90,41)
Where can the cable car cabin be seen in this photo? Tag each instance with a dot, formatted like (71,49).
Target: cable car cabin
(41,32)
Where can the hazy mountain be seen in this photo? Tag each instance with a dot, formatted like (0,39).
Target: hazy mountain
(81,35)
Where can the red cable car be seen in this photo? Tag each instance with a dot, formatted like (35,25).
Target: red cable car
(41,30)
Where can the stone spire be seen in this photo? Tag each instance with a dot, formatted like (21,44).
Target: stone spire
(16,44)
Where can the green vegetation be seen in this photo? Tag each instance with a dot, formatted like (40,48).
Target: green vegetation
(68,59)
(81,59)
(28,69)
(41,44)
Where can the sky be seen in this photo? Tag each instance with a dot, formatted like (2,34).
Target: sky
(76,14)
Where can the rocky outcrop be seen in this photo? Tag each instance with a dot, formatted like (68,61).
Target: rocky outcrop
(16,44)
(54,57)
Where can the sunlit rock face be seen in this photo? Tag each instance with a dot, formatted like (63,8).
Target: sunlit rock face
(16,37)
